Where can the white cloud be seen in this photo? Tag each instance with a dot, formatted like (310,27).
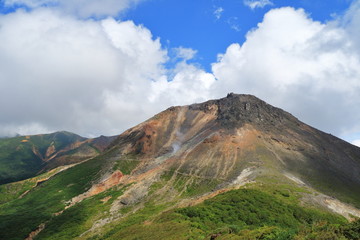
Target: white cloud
(218,12)
(58,72)
(11,130)
(189,85)
(257,3)
(306,67)
(81,8)
(356,142)
(185,53)
(89,77)
(100,77)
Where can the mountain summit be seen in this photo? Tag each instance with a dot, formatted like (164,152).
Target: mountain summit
(219,138)
(238,109)
(192,170)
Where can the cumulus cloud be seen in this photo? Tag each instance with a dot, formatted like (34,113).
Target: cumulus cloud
(58,72)
(81,8)
(188,85)
(257,3)
(309,68)
(90,77)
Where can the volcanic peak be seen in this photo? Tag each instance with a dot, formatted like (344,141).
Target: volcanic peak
(235,110)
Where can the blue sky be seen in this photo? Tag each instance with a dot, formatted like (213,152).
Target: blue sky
(210,26)
(102,66)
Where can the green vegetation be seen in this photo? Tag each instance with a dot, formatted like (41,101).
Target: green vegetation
(187,185)
(200,186)
(261,211)
(76,220)
(59,139)
(48,198)
(248,211)
(12,191)
(126,163)
(237,214)
(281,188)
(325,231)
(352,230)
(138,225)
(339,189)
(17,160)
(21,157)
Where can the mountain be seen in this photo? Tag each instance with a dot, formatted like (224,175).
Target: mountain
(22,157)
(219,138)
(232,168)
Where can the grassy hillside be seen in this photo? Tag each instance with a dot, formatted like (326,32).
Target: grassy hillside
(44,201)
(15,190)
(261,211)
(22,157)
(26,156)
(238,214)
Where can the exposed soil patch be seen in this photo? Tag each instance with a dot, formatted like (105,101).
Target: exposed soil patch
(33,234)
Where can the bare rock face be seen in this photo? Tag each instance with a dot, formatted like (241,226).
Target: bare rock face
(50,150)
(238,109)
(219,138)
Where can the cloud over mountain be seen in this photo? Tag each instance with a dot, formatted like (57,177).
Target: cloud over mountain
(311,69)
(91,77)
(61,71)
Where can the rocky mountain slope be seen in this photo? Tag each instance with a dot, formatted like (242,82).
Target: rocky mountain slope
(26,156)
(233,168)
(220,138)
